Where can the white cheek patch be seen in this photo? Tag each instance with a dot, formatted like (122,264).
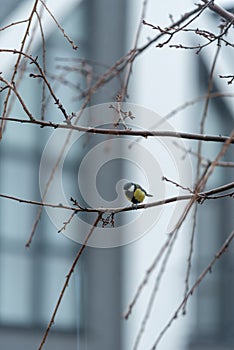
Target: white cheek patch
(131,188)
(129,195)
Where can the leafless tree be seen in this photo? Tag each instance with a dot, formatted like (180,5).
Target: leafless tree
(26,64)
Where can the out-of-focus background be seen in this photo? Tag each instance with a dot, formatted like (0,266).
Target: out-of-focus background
(91,313)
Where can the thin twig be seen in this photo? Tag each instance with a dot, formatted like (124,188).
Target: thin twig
(204,160)
(222,152)
(14,24)
(155,290)
(147,276)
(164,178)
(177,29)
(221,251)
(199,162)
(47,186)
(205,111)
(13,88)
(41,75)
(189,260)
(74,46)
(68,221)
(211,39)
(124,90)
(43,100)
(181,107)
(68,279)
(174,25)
(17,65)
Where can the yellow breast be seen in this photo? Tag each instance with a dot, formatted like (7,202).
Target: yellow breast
(139,195)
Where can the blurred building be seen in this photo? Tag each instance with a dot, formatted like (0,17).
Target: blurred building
(31,278)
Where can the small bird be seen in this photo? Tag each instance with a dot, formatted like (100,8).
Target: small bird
(135,193)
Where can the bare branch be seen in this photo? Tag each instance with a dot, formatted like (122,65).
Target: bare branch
(74,46)
(68,277)
(221,251)
(13,88)
(14,24)
(41,75)
(197,196)
(17,64)
(204,160)
(205,111)
(155,289)
(43,102)
(124,90)
(143,133)
(219,10)
(174,25)
(191,248)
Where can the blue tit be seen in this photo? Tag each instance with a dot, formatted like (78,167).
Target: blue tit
(135,193)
